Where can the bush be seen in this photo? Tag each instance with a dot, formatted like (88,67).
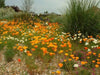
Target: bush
(80,16)
(9,13)
(23,16)
(2,3)
(6,13)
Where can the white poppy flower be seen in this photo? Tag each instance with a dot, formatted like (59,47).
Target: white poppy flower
(76,65)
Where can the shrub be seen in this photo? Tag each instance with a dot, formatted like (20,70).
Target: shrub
(80,16)
(6,13)
(16,8)
(2,3)
(9,14)
(23,16)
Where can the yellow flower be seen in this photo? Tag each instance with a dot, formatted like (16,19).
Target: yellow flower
(33,49)
(78,31)
(69,44)
(21,50)
(88,57)
(30,34)
(66,50)
(70,49)
(36,46)
(94,53)
(89,52)
(98,59)
(0,42)
(77,58)
(25,47)
(51,45)
(61,51)
(55,50)
(14,47)
(98,56)
(83,62)
(51,53)
(44,50)
(60,64)
(53,72)
(65,60)
(84,39)
(96,66)
(69,59)
(29,54)
(98,63)
(66,54)
(19,47)
(58,72)
(93,61)
(71,55)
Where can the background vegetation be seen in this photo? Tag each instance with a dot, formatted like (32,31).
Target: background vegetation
(39,40)
(82,16)
(2,3)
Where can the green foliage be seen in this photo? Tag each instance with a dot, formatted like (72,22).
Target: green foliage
(83,72)
(68,66)
(2,3)
(9,14)
(23,16)
(81,16)
(9,54)
(30,62)
(55,18)
(2,44)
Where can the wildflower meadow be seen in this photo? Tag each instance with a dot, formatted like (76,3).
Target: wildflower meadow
(32,46)
(48,50)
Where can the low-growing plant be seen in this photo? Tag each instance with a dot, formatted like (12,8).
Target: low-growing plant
(82,72)
(55,18)
(68,66)
(9,54)
(2,44)
(22,16)
(30,63)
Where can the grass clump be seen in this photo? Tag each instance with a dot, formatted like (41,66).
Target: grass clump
(9,54)
(81,16)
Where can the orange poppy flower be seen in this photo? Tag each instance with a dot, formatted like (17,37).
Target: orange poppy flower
(85,48)
(60,64)
(19,60)
(58,72)
(96,66)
